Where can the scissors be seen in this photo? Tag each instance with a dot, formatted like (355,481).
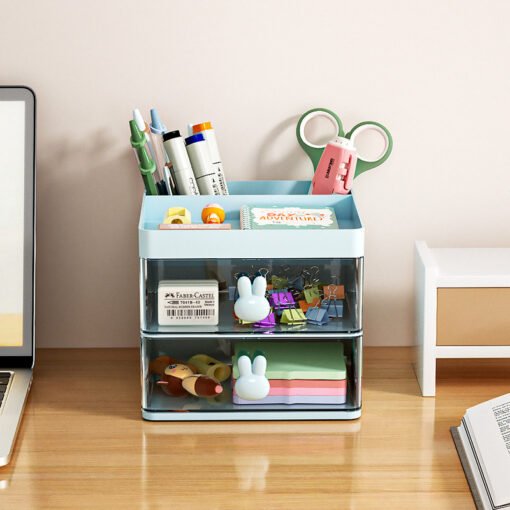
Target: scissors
(315,151)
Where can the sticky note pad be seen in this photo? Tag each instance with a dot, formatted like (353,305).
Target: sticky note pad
(298,360)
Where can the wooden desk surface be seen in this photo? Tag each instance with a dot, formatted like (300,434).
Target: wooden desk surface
(82,444)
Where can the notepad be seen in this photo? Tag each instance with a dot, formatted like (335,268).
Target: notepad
(253,218)
(293,399)
(298,360)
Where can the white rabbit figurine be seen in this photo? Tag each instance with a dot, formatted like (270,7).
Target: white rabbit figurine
(252,385)
(252,307)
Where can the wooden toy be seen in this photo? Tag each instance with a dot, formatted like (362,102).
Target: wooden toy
(213,213)
(179,379)
(211,367)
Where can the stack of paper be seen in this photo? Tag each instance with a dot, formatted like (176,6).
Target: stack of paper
(299,372)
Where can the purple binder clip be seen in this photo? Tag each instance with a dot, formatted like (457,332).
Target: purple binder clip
(282,300)
(268,322)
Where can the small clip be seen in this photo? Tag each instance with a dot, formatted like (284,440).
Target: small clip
(331,305)
(279,282)
(317,316)
(268,322)
(305,305)
(311,293)
(282,300)
(338,291)
(293,316)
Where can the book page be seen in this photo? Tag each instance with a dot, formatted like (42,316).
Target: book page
(488,425)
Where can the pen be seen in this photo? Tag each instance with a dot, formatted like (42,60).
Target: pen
(157,128)
(146,165)
(144,128)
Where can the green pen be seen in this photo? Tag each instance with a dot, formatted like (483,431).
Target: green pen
(146,165)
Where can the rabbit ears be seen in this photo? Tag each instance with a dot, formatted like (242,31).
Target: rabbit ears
(246,367)
(246,289)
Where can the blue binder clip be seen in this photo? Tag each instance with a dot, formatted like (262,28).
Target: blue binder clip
(333,307)
(317,316)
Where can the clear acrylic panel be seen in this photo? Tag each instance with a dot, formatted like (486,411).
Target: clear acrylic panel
(346,272)
(155,400)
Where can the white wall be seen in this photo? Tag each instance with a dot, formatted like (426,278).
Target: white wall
(435,73)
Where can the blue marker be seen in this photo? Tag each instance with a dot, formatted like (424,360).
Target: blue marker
(157,128)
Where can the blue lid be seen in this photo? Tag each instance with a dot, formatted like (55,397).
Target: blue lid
(156,125)
(199,137)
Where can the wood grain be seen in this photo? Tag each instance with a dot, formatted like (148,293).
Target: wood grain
(473,316)
(83,445)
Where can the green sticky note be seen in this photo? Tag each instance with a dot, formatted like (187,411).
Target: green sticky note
(298,360)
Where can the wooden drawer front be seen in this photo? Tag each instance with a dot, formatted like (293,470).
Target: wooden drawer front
(473,316)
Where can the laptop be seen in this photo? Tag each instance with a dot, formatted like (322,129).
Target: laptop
(17,258)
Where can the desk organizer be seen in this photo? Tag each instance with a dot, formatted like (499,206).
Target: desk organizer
(337,254)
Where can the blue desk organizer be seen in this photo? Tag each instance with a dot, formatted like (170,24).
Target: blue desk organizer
(192,254)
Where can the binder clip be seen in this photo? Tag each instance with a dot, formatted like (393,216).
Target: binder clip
(311,293)
(311,286)
(332,289)
(306,306)
(279,282)
(282,300)
(333,307)
(268,322)
(317,316)
(293,316)
(297,282)
(274,291)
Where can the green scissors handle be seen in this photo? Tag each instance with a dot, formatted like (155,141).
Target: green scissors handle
(315,151)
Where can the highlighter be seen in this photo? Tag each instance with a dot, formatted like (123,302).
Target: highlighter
(182,170)
(205,173)
(210,137)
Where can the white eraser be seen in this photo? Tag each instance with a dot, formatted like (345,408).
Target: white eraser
(188,303)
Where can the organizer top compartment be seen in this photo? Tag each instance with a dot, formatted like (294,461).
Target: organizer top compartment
(346,241)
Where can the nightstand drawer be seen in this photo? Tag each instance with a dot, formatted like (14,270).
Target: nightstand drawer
(473,316)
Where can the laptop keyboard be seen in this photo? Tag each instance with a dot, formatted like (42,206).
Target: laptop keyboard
(4,382)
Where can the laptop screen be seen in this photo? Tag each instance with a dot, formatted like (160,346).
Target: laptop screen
(16,221)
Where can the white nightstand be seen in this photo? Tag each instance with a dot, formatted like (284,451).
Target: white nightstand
(462,306)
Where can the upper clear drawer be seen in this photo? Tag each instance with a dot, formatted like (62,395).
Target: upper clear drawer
(193,296)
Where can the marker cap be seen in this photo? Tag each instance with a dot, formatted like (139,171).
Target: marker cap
(199,137)
(171,134)
(137,137)
(156,125)
(197,128)
(137,117)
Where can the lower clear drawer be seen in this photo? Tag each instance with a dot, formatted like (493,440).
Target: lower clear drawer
(309,378)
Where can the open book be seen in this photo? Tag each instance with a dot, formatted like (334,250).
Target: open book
(483,444)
